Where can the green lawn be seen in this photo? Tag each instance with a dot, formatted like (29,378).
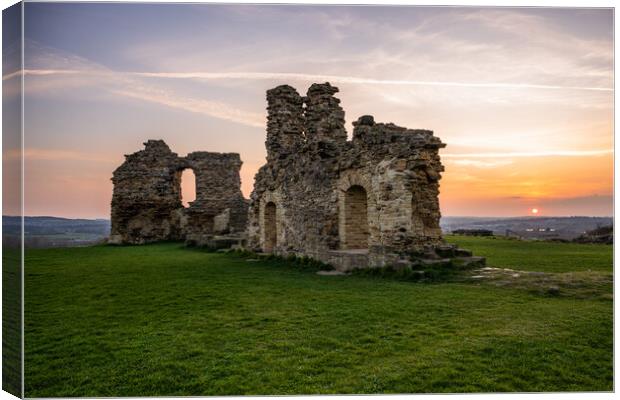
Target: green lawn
(166,320)
(538,255)
(11,321)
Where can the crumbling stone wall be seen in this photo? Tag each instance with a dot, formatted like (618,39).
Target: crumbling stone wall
(374,196)
(368,202)
(146,201)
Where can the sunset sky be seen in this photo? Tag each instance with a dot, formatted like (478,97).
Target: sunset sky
(523,97)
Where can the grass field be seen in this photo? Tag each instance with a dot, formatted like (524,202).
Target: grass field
(165,320)
(539,255)
(11,321)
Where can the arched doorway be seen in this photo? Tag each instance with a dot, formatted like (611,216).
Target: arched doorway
(188,186)
(356,218)
(270,229)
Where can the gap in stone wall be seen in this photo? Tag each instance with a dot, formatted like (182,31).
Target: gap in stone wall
(188,186)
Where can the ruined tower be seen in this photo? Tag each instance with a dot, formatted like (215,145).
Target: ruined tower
(324,118)
(372,201)
(284,121)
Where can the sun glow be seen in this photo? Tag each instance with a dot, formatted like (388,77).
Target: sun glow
(534,211)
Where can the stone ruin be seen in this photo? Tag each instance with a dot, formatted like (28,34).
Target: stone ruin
(147,205)
(367,202)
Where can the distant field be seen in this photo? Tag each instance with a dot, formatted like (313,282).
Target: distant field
(538,255)
(166,320)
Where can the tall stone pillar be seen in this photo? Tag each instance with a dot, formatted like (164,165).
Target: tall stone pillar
(324,116)
(284,122)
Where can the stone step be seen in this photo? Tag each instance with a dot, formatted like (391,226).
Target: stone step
(469,262)
(346,260)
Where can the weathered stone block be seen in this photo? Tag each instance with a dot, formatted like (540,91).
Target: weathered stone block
(462,253)
(468,262)
(445,250)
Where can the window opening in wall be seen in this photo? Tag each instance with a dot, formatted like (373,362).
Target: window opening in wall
(188,187)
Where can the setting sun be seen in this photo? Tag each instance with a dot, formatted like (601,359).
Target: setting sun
(534,211)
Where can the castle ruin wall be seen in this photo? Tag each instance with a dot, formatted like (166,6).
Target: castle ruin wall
(375,195)
(147,205)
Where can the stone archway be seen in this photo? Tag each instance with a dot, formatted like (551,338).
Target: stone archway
(187,186)
(270,228)
(356,232)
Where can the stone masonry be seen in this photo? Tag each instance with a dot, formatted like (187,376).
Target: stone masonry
(146,201)
(372,201)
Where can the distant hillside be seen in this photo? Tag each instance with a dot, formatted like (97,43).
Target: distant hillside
(65,232)
(54,231)
(529,227)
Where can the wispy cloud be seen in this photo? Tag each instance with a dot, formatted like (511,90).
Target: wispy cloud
(353,79)
(287,76)
(127,85)
(43,72)
(481,164)
(546,153)
(38,154)
(211,108)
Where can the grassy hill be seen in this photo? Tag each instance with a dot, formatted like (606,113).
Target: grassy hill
(166,320)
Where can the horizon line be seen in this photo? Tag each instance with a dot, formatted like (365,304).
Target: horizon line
(445,216)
